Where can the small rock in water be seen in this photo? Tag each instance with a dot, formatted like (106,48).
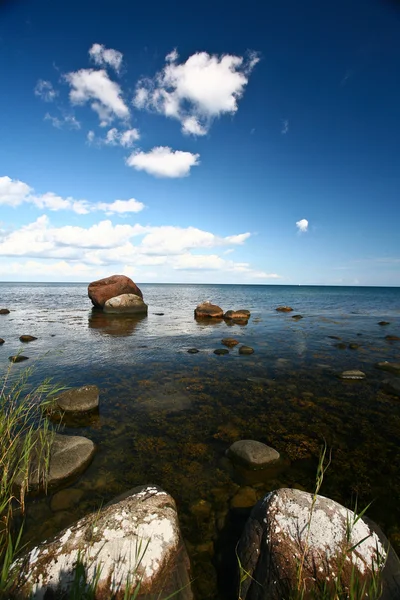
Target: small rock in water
(284,309)
(229,342)
(252,454)
(2,341)
(341,346)
(27,338)
(392,338)
(354,346)
(201,509)
(389,366)
(159,314)
(193,351)
(383,323)
(354,374)
(334,337)
(4,311)
(17,358)
(241,315)
(246,350)
(297,317)
(221,351)
(82,399)
(245,497)
(392,386)
(206,309)
(65,499)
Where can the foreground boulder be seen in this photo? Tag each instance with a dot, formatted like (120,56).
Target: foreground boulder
(126,304)
(206,309)
(285,530)
(252,454)
(103,289)
(134,540)
(68,456)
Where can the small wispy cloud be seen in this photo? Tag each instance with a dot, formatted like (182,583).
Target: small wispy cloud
(302,225)
(68,121)
(346,77)
(106,56)
(45,91)
(285,126)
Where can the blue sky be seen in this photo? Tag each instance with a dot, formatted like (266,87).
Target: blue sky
(253,142)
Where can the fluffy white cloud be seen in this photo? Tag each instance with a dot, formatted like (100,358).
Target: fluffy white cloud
(45,91)
(125,138)
(13,192)
(106,56)
(90,84)
(164,162)
(68,120)
(302,225)
(198,90)
(121,206)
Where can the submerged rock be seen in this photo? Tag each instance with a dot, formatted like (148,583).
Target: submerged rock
(206,309)
(297,317)
(126,304)
(353,374)
(134,542)
(284,309)
(246,350)
(27,338)
(4,311)
(82,399)
(68,456)
(392,338)
(17,358)
(383,323)
(221,351)
(354,346)
(1,341)
(245,497)
(65,499)
(193,351)
(392,386)
(391,367)
(252,454)
(103,289)
(286,528)
(229,342)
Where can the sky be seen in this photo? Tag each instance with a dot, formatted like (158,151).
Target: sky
(254,142)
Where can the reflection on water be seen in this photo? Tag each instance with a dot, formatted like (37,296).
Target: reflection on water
(117,325)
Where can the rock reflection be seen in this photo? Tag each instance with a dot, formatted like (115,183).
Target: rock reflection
(111,324)
(203,321)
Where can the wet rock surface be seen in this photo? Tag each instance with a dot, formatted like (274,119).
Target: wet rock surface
(27,338)
(103,289)
(246,350)
(4,311)
(193,351)
(82,399)
(279,533)
(252,454)
(229,342)
(241,315)
(135,538)
(352,374)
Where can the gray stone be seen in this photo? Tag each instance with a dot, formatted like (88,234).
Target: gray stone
(136,538)
(391,367)
(392,386)
(82,399)
(252,454)
(286,528)
(126,303)
(68,455)
(353,374)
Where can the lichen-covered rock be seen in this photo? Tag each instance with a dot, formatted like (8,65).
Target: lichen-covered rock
(68,456)
(252,454)
(136,539)
(206,309)
(126,303)
(280,532)
(103,289)
(82,399)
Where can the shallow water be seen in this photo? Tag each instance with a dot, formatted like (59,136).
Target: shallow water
(167,417)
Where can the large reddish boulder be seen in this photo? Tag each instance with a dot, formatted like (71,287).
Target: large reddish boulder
(103,289)
(206,310)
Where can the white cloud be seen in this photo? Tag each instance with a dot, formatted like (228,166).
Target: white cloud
(198,90)
(121,206)
(53,202)
(169,240)
(163,162)
(13,192)
(90,84)
(69,120)
(106,56)
(45,91)
(125,138)
(302,225)
(90,137)
(285,127)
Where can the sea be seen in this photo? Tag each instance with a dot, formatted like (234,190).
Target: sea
(167,417)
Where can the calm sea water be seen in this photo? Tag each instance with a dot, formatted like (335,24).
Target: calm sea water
(167,417)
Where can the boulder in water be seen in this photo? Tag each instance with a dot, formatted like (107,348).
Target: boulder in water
(284,309)
(252,454)
(27,338)
(126,304)
(103,289)
(208,310)
(4,311)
